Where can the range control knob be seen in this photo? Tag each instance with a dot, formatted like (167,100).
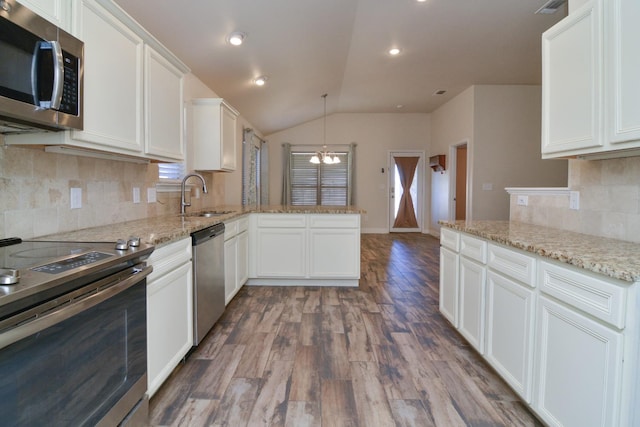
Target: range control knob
(134,241)
(122,245)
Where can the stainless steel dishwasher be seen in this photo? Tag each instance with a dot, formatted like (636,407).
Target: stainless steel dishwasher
(208,279)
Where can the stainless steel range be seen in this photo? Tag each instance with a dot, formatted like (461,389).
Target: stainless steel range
(73,333)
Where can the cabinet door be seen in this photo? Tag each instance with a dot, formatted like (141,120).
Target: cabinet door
(243,259)
(623,69)
(472,302)
(213,130)
(58,12)
(163,108)
(113,64)
(230,268)
(334,253)
(228,135)
(281,253)
(509,340)
(169,323)
(579,365)
(449,285)
(572,58)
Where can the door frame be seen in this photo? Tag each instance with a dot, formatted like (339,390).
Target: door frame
(420,169)
(453,163)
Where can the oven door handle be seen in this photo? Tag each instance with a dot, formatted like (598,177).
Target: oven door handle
(105,289)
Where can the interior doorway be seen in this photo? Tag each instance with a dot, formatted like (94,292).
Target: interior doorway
(459,176)
(406,177)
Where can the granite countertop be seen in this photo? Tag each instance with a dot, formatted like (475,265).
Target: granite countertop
(165,229)
(611,257)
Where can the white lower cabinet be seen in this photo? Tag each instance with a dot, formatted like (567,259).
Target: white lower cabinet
(472,302)
(236,256)
(169,311)
(320,247)
(449,285)
(579,369)
(282,252)
(509,340)
(565,339)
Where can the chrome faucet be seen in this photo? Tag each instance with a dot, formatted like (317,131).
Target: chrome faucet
(183,203)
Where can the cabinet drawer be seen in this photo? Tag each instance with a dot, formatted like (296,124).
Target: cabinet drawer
(230,229)
(473,248)
(168,257)
(450,239)
(243,224)
(334,221)
(597,297)
(281,221)
(513,264)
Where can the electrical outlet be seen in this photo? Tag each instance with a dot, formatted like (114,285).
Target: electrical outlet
(574,200)
(151,195)
(136,194)
(75,198)
(522,200)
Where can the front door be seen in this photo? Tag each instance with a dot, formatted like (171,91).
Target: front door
(406,173)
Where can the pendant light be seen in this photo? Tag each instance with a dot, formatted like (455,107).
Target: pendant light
(324,156)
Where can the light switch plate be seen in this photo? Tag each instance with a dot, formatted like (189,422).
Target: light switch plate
(487,186)
(151,195)
(574,200)
(522,200)
(75,197)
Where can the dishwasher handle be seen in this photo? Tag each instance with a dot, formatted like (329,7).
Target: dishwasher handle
(206,234)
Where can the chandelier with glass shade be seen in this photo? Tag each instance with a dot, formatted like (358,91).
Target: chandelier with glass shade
(325,156)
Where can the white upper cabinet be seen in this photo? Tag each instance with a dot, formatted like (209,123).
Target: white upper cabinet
(213,135)
(163,107)
(112,88)
(572,82)
(133,89)
(58,12)
(623,74)
(591,82)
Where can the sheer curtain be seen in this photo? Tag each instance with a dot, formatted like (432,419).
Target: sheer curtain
(255,162)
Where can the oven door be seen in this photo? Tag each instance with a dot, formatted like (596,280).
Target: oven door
(79,360)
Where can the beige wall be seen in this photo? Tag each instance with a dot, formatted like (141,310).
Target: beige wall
(375,135)
(501,125)
(451,125)
(609,200)
(506,150)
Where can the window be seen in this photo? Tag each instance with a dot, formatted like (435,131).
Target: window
(319,184)
(171,171)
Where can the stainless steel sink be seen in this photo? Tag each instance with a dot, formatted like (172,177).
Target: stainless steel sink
(209,214)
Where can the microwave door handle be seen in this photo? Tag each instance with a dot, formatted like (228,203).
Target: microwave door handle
(58,75)
(35,60)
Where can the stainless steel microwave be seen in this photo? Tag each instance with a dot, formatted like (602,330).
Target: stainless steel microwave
(41,73)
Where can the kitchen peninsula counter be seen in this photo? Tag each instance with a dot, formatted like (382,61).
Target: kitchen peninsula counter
(610,257)
(165,229)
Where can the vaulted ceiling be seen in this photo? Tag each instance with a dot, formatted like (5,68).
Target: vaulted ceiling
(307,48)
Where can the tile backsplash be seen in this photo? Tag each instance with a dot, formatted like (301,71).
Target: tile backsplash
(35,192)
(609,200)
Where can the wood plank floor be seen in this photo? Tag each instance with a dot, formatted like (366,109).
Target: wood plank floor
(377,355)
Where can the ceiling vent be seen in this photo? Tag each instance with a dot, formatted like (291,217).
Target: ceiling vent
(550,7)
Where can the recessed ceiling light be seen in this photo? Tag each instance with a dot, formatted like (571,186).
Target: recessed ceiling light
(236,38)
(260,81)
(421,1)
(394,51)
(399,106)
